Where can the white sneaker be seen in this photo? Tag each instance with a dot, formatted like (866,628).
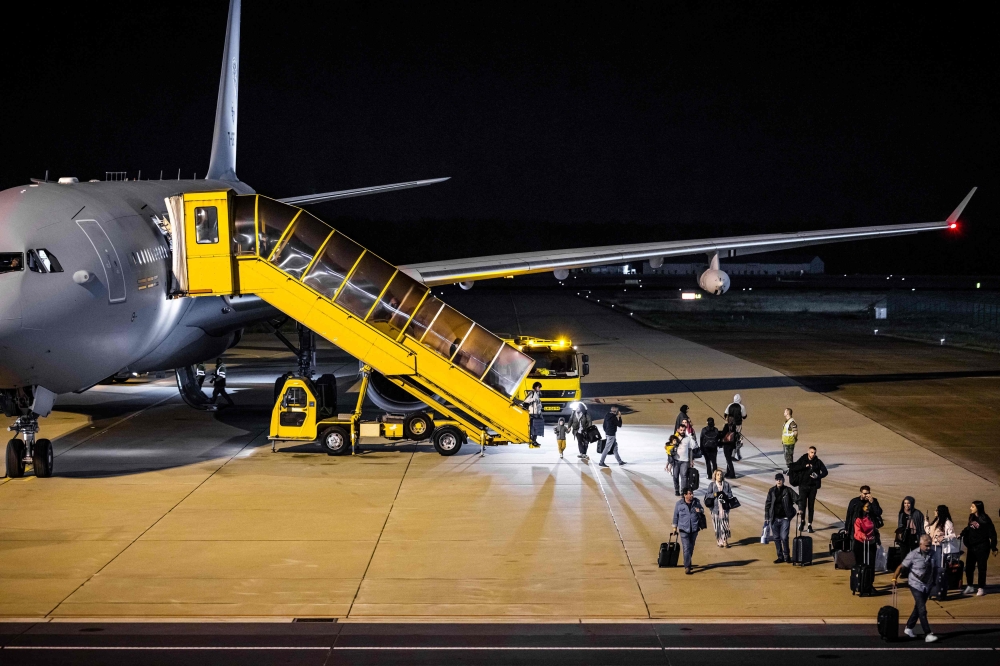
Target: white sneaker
(969,590)
(909,632)
(930,638)
(981,592)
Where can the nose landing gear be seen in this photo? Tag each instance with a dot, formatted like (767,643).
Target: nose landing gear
(30,451)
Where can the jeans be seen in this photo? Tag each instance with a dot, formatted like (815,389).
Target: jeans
(611,446)
(789,453)
(977,557)
(779,533)
(687,546)
(680,475)
(807,504)
(919,611)
(710,453)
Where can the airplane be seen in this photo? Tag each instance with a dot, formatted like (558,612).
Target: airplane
(85,278)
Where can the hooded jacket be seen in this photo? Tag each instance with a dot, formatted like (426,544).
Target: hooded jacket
(915,513)
(814,466)
(982,536)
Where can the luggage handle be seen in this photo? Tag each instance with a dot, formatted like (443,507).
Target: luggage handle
(671,536)
(894,594)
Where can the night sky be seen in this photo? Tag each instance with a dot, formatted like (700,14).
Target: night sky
(560,124)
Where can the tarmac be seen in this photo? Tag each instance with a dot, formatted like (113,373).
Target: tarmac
(158,512)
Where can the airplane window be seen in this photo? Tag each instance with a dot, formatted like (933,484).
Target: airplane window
(423,318)
(478,349)
(206,224)
(244,215)
(273,217)
(294,254)
(365,284)
(447,332)
(328,273)
(11,261)
(397,304)
(508,370)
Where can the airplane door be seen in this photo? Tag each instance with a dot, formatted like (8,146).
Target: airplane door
(114,276)
(208,244)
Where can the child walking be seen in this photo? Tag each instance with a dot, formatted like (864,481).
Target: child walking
(561,430)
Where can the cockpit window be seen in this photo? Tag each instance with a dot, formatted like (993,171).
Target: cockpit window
(43,261)
(11,261)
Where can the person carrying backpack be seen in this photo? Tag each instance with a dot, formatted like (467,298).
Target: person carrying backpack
(737,411)
(710,440)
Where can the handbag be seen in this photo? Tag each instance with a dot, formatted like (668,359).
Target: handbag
(765,535)
(710,502)
(730,502)
(600,445)
(881,559)
(951,547)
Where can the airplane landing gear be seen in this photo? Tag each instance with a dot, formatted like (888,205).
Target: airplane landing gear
(38,452)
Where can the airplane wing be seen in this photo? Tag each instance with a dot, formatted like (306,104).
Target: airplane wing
(522,263)
(307,199)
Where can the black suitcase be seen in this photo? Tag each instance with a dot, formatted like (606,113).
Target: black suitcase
(802,550)
(600,446)
(863,577)
(955,570)
(893,558)
(693,479)
(592,434)
(888,620)
(669,553)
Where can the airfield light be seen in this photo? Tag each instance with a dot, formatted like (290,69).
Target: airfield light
(876,331)
(977,285)
(688,296)
(953,225)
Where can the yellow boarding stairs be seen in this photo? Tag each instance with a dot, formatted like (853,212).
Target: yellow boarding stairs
(226,244)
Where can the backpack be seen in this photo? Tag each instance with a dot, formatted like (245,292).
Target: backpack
(710,439)
(735,412)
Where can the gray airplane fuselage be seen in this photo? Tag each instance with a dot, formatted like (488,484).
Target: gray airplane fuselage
(66,336)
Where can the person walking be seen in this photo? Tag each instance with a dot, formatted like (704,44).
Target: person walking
(865,536)
(909,525)
(779,510)
(813,471)
(716,494)
(219,383)
(738,413)
(789,436)
(681,416)
(533,401)
(612,421)
(729,436)
(561,430)
(710,439)
(923,569)
(580,422)
(980,537)
(854,510)
(682,462)
(688,514)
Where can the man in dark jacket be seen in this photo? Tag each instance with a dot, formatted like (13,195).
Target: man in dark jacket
(612,421)
(710,438)
(811,471)
(779,510)
(854,512)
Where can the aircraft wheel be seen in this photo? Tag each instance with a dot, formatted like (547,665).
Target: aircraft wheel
(335,441)
(15,459)
(43,458)
(418,426)
(448,440)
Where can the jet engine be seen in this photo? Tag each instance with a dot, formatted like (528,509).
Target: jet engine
(714,281)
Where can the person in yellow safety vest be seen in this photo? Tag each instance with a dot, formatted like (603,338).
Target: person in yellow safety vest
(789,436)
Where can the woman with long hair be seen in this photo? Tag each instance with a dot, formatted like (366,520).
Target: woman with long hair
(909,526)
(718,489)
(865,536)
(941,528)
(980,537)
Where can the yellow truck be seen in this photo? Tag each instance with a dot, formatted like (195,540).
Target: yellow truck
(559,368)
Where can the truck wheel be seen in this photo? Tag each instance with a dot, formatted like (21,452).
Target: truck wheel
(418,426)
(15,459)
(43,458)
(448,440)
(335,441)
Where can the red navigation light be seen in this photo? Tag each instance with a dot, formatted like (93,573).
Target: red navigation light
(953,225)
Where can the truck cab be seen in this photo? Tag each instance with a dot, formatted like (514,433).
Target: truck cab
(558,367)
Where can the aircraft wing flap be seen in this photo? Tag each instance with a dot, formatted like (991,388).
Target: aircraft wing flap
(307,199)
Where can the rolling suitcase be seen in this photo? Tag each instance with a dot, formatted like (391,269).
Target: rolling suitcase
(693,478)
(888,620)
(802,549)
(955,569)
(669,553)
(844,560)
(863,577)
(893,558)
(839,542)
